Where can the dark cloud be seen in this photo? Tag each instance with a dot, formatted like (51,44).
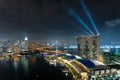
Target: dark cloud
(113,23)
(46,18)
(110,32)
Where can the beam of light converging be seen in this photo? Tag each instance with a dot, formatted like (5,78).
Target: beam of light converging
(77,26)
(75,15)
(89,16)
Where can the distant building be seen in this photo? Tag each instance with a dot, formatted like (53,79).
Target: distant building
(1,49)
(32,46)
(16,49)
(24,44)
(88,46)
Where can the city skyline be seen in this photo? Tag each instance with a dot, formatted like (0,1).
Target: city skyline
(50,19)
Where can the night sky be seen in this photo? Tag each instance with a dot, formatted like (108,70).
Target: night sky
(50,19)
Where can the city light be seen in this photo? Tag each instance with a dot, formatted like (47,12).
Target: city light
(60,40)
(26,38)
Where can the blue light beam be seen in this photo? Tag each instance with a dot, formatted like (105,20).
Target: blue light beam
(89,16)
(80,28)
(72,12)
(77,26)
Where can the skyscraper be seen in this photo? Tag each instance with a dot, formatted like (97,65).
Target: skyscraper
(24,44)
(88,46)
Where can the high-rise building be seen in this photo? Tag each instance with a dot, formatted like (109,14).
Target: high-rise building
(88,46)
(32,46)
(16,49)
(24,44)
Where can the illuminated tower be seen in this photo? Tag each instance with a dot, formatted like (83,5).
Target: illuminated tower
(88,46)
(56,47)
(84,46)
(96,46)
(24,44)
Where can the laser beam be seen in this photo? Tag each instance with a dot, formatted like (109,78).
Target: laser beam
(75,15)
(77,26)
(80,28)
(89,16)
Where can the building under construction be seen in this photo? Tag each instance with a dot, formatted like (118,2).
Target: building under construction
(88,46)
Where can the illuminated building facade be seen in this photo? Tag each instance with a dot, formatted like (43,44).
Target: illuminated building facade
(32,46)
(16,49)
(24,44)
(88,46)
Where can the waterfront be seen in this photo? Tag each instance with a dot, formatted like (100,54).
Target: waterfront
(32,67)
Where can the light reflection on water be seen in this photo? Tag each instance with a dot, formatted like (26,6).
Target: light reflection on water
(15,65)
(28,68)
(25,65)
(4,63)
(14,69)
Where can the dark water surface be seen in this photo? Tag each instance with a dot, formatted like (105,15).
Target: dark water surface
(29,68)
